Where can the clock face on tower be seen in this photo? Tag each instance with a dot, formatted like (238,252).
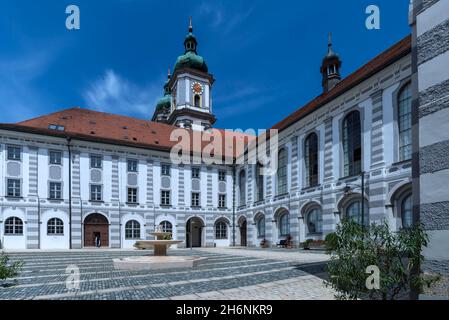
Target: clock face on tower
(197,88)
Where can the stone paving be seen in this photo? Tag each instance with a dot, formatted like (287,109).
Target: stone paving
(228,274)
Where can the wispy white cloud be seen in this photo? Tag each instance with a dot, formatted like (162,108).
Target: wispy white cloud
(222,17)
(115,94)
(19,98)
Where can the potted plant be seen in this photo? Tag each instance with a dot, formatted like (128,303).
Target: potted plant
(306,244)
(289,242)
(264,243)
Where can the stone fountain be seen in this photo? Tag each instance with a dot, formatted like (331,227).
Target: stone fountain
(159,259)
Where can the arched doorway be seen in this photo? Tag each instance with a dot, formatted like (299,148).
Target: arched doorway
(194,232)
(243,231)
(96,225)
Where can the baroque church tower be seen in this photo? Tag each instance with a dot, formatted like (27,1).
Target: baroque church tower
(187,102)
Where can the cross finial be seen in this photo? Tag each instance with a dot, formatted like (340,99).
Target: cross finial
(169,73)
(329,41)
(190,25)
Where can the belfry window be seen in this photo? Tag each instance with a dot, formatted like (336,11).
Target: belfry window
(197,101)
(352,147)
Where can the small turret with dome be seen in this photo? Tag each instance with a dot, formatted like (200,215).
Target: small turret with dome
(330,68)
(163,106)
(190,58)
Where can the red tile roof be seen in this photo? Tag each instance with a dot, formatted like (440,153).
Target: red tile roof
(103,127)
(380,62)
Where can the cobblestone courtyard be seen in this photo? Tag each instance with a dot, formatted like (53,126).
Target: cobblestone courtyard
(229,273)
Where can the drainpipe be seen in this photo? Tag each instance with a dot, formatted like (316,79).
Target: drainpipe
(233,202)
(120,221)
(70,191)
(38,221)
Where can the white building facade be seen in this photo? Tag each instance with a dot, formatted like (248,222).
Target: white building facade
(60,193)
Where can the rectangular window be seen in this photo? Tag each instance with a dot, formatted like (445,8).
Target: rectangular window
(132,165)
(222,201)
(221,175)
(165,197)
(14,153)
(13,186)
(165,170)
(132,195)
(55,157)
(195,199)
(55,191)
(95,193)
(195,173)
(96,161)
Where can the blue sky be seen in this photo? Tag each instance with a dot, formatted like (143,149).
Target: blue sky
(264,54)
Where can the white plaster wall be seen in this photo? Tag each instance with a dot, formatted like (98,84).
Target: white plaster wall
(390,135)
(367,106)
(174,185)
(433,125)
(107,178)
(84,176)
(42,182)
(229,188)
(54,241)
(336,154)
(25,172)
(142,182)
(431,18)
(65,174)
(434,187)
(321,145)
(430,72)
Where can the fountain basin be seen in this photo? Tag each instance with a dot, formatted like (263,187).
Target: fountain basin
(157,262)
(160,246)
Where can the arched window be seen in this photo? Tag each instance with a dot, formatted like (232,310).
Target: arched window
(314,221)
(166,226)
(354,212)
(311,159)
(260,224)
(352,147)
(406,210)
(197,101)
(221,230)
(259,182)
(242,187)
(55,226)
(13,225)
(282,172)
(132,230)
(284,224)
(405,123)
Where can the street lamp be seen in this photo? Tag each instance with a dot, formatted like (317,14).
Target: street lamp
(347,190)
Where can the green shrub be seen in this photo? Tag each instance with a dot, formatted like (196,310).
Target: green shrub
(7,270)
(331,242)
(396,254)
